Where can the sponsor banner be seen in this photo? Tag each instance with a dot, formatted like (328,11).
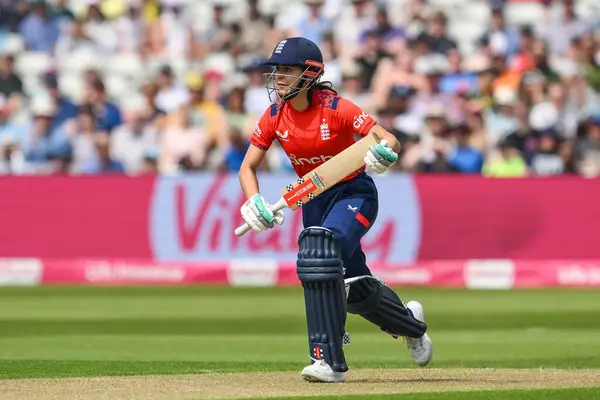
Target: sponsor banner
(131,272)
(20,272)
(471,274)
(65,217)
(538,219)
(191,219)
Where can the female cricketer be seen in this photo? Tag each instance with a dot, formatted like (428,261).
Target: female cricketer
(312,124)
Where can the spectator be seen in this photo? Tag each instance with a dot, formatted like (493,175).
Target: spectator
(12,13)
(206,114)
(100,30)
(172,32)
(587,150)
(9,130)
(151,114)
(60,158)
(40,29)
(133,140)
(352,22)
(546,161)
(256,100)
(11,134)
(150,163)
(500,120)
(369,56)
(103,163)
(464,158)
(65,108)
(182,145)
(541,61)
(502,39)
(315,24)
(234,154)
(10,83)
(433,142)
(235,114)
(508,164)
(38,137)
(106,113)
(559,32)
(75,39)
(62,12)
(81,134)
(393,38)
(170,95)
(253,29)
(129,28)
(435,35)
(475,121)
(11,159)
(351,87)
(216,36)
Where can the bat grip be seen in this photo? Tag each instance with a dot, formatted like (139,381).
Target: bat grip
(242,229)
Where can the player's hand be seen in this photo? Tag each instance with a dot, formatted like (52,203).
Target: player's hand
(257,213)
(380,157)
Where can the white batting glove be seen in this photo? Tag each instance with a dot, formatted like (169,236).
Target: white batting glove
(380,157)
(257,213)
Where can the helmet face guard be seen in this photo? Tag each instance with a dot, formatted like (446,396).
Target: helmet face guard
(309,77)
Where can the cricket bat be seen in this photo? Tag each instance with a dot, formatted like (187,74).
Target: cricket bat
(326,175)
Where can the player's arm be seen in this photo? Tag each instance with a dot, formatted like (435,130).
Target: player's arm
(247,174)
(256,211)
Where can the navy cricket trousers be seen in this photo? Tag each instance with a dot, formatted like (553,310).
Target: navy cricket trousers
(348,209)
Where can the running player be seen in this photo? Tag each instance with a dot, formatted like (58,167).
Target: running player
(312,124)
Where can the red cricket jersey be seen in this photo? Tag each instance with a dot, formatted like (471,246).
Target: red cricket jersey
(315,135)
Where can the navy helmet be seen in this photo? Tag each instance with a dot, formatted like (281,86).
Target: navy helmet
(297,52)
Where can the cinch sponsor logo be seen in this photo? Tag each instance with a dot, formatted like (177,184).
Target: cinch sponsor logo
(359,120)
(312,160)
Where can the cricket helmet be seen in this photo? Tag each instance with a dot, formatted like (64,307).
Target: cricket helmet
(295,52)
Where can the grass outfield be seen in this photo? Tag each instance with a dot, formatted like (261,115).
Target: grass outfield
(50,332)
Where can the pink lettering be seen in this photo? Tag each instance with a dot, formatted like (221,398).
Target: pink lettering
(188,236)
(218,213)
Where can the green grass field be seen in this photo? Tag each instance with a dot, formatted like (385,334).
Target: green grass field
(50,332)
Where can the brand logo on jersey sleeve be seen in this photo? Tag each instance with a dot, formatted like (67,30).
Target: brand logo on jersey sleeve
(359,120)
(257,131)
(283,136)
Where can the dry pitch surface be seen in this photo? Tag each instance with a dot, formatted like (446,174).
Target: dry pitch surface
(281,384)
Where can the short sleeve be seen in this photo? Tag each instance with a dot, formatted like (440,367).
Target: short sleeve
(263,134)
(353,118)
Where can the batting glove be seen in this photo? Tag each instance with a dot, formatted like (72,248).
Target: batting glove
(380,157)
(257,213)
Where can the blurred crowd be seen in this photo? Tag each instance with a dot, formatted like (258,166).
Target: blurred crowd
(500,88)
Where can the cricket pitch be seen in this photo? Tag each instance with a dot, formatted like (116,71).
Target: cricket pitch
(282,384)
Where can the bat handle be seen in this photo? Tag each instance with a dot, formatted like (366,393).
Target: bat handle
(242,229)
